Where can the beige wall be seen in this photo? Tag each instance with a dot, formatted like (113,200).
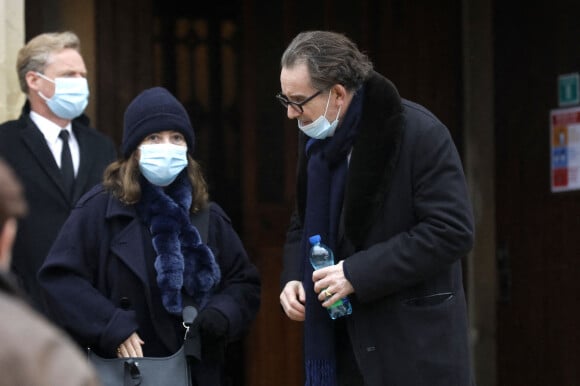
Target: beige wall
(11,39)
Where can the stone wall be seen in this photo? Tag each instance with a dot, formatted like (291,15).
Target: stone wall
(11,39)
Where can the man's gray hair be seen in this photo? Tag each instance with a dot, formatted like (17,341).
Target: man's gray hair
(331,58)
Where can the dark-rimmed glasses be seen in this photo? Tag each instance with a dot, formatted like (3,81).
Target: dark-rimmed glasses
(297,106)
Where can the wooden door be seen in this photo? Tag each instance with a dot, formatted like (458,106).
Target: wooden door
(538,338)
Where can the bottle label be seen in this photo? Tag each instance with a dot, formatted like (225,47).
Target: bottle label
(336,304)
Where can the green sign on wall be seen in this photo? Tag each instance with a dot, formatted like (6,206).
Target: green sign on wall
(568,89)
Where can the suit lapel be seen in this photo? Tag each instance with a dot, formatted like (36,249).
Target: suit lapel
(36,144)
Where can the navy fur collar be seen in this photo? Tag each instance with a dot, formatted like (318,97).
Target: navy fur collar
(183,261)
(373,158)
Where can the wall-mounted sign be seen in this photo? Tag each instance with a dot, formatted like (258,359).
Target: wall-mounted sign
(568,89)
(565,149)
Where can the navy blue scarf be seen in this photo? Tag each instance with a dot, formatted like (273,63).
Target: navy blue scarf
(326,179)
(183,261)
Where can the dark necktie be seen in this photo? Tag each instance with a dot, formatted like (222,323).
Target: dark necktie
(66,165)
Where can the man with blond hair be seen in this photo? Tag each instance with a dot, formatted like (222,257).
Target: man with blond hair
(51,147)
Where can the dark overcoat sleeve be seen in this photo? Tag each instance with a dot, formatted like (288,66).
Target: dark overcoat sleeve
(425,224)
(69,278)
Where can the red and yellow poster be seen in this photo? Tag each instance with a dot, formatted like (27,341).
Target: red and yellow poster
(565,149)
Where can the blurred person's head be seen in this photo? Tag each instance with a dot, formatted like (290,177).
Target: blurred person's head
(12,207)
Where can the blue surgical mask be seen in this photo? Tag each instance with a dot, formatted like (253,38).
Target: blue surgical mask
(71,96)
(321,128)
(161,163)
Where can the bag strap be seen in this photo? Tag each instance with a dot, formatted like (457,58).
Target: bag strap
(192,342)
(200,220)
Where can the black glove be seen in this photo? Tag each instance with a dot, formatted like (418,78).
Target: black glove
(213,330)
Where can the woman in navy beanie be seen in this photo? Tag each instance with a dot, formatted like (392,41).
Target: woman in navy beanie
(147,242)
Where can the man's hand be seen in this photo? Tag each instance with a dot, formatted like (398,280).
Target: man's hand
(292,300)
(331,285)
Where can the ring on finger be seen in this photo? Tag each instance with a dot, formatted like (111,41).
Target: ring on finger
(327,293)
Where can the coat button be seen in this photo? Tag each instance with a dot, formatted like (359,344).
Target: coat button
(125,303)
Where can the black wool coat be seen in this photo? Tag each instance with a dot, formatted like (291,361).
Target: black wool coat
(25,149)
(405,225)
(100,282)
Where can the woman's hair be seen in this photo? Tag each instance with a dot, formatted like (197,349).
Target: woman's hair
(331,59)
(12,201)
(34,56)
(121,178)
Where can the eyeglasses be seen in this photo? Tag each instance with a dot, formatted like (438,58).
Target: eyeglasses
(297,106)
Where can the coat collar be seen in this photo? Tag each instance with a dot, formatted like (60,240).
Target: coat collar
(127,234)
(373,158)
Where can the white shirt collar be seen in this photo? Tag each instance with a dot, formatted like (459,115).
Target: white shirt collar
(49,129)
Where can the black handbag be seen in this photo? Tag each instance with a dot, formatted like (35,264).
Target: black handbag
(151,371)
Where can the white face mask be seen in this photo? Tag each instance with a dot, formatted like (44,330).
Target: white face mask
(71,96)
(321,128)
(161,163)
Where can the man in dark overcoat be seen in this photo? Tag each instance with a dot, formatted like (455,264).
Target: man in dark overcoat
(380,179)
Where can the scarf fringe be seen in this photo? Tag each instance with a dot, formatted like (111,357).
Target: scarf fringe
(320,373)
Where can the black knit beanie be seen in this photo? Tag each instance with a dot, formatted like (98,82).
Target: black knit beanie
(154,110)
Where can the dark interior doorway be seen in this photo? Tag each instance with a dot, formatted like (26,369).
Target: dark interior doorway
(537,319)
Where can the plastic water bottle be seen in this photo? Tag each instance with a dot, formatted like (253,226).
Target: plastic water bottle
(321,256)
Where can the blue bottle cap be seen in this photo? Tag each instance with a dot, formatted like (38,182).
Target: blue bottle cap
(314,239)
